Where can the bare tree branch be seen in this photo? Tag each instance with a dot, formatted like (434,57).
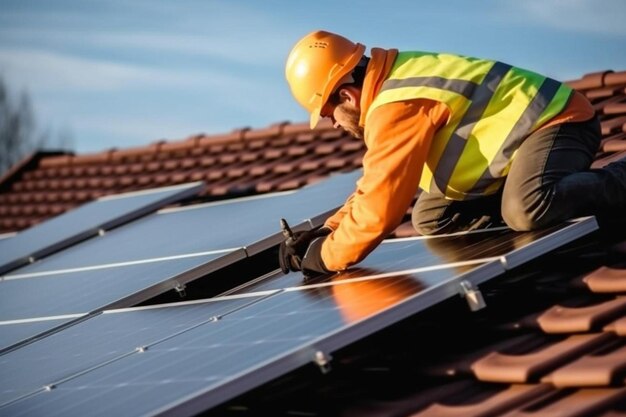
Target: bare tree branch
(17,130)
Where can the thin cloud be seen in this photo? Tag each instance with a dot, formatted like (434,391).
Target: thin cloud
(237,33)
(233,49)
(240,49)
(49,71)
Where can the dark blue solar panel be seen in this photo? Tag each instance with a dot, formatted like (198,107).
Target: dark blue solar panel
(86,291)
(503,244)
(279,327)
(250,223)
(100,339)
(142,259)
(85,221)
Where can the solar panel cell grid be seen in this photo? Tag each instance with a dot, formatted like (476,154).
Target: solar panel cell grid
(272,335)
(83,291)
(98,340)
(85,221)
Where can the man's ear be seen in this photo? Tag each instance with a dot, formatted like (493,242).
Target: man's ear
(350,94)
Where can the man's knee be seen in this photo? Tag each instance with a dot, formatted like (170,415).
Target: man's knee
(424,225)
(519,216)
(426,229)
(430,214)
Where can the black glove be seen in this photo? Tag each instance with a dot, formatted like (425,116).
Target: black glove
(292,250)
(312,263)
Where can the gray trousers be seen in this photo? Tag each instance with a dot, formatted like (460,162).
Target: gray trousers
(550,181)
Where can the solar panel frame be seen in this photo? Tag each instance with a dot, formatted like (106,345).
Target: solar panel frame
(549,240)
(18,332)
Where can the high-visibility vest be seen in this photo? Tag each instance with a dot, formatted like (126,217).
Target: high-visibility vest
(493,108)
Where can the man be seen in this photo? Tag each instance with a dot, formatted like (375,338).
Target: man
(483,140)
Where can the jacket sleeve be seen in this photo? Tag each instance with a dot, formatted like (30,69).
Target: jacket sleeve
(398,137)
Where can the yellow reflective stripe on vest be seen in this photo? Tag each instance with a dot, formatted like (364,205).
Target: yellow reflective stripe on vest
(493,108)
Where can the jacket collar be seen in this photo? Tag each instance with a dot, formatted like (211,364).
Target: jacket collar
(375,74)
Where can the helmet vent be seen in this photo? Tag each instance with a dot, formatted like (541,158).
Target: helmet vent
(319,44)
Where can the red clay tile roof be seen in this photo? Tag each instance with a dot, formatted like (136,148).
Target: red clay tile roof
(243,162)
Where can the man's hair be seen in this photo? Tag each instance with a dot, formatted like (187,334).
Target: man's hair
(359,72)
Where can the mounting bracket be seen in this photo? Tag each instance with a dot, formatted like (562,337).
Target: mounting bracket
(472,295)
(322,360)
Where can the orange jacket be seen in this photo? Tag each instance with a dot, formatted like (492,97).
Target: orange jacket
(397,137)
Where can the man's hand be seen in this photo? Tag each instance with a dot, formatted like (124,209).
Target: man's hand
(293,253)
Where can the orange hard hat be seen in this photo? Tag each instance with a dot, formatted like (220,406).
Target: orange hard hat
(316,65)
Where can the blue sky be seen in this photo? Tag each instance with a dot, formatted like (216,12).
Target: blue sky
(126,73)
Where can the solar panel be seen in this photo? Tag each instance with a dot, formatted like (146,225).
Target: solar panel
(192,370)
(81,292)
(252,223)
(334,190)
(101,339)
(177,365)
(159,252)
(85,221)
(4,236)
(13,332)
(461,250)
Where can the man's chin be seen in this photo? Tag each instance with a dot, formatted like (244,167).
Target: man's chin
(354,132)
(357,133)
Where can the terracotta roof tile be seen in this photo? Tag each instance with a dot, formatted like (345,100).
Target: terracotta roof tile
(606,280)
(605,159)
(227,158)
(615,78)
(214,140)
(615,143)
(563,319)
(618,107)
(56,161)
(93,158)
(589,81)
(135,154)
(614,125)
(305,138)
(271,131)
(598,370)
(180,148)
(295,129)
(602,93)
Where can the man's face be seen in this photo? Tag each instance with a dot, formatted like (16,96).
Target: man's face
(346,115)
(343,109)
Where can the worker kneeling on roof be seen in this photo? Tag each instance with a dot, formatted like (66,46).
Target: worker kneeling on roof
(484,141)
